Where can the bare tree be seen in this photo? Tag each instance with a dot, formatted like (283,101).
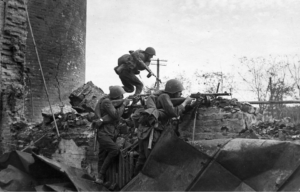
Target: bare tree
(210,81)
(293,63)
(267,78)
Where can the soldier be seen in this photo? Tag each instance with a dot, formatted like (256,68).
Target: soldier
(156,118)
(107,132)
(130,65)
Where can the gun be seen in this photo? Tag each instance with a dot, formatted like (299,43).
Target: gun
(151,73)
(178,101)
(201,95)
(95,127)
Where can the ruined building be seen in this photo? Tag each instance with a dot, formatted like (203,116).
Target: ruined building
(59,28)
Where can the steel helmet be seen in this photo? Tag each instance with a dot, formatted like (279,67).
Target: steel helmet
(173,86)
(116,91)
(150,51)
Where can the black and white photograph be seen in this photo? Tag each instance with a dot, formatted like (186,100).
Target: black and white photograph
(150,95)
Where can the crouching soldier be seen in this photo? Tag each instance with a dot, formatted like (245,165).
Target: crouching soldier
(107,132)
(156,118)
(130,65)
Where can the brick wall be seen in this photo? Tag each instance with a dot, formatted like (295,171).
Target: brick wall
(13,44)
(59,28)
(1,35)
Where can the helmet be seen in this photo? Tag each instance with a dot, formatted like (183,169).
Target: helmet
(116,91)
(150,51)
(173,86)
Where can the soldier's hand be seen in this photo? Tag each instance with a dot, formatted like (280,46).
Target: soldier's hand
(91,116)
(187,100)
(126,102)
(149,75)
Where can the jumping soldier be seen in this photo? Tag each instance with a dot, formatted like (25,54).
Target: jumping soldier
(156,118)
(107,131)
(130,65)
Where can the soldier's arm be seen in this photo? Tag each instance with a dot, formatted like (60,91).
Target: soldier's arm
(151,103)
(114,113)
(168,107)
(138,57)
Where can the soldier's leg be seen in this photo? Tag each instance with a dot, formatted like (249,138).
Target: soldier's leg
(129,80)
(138,85)
(124,76)
(142,158)
(144,153)
(101,157)
(112,151)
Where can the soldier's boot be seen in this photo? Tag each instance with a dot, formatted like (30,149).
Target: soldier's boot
(100,179)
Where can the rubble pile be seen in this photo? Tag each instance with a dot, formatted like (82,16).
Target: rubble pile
(20,171)
(228,118)
(276,130)
(224,118)
(85,98)
(75,146)
(219,165)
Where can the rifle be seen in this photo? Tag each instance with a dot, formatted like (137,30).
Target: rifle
(175,101)
(201,95)
(198,96)
(151,73)
(95,127)
(133,98)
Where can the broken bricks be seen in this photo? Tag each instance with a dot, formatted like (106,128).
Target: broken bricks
(85,98)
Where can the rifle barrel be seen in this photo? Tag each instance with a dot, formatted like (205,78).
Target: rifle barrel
(196,95)
(272,102)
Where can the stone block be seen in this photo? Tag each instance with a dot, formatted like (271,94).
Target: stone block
(86,96)
(57,110)
(230,125)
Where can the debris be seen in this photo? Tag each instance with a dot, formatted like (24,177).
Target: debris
(57,110)
(20,171)
(219,165)
(224,118)
(85,98)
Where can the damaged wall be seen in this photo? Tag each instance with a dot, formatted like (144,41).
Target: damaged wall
(13,44)
(59,28)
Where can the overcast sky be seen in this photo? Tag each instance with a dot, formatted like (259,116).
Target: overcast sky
(209,35)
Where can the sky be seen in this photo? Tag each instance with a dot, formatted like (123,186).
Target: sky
(206,35)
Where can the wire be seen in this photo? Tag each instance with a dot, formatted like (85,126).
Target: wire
(38,57)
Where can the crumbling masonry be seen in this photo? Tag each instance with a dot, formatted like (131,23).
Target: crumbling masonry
(59,28)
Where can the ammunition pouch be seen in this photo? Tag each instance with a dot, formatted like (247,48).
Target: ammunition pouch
(119,69)
(147,124)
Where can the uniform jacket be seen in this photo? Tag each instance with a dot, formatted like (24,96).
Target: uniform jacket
(134,61)
(160,109)
(107,109)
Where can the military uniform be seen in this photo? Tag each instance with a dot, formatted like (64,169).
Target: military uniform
(130,65)
(107,133)
(156,117)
